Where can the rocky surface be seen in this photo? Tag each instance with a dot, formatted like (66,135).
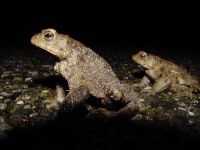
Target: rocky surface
(28,114)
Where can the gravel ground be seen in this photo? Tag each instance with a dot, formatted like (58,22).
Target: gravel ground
(30,119)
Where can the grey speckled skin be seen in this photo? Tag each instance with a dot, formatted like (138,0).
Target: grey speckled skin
(86,72)
(167,75)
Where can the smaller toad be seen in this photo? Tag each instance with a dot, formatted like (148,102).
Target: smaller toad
(165,75)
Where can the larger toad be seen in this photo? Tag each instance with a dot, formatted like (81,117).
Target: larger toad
(86,72)
(166,74)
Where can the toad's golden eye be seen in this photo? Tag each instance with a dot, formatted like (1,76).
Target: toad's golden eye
(48,35)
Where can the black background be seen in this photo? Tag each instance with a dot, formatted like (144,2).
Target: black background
(173,27)
(167,25)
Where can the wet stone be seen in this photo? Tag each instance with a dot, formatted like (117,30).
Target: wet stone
(3,106)
(45,93)
(26,97)
(33,114)
(27,107)
(6,75)
(28,80)
(17,79)
(33,73)
(20,102)
(4,94)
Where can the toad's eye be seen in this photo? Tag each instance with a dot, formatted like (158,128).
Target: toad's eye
(142,54)
(48,35)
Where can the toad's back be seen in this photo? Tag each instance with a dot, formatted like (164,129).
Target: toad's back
(177,74)
(78,60)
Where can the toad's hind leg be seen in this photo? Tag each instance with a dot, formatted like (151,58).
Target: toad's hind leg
(130,98)
(126,111)
(75,97)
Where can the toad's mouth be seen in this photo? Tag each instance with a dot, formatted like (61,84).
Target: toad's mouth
(44,46)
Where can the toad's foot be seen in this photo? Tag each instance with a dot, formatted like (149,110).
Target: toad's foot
(115,92)
(126,111)
(162,84)
(186,93)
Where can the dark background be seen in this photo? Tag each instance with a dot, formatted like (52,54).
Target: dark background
(167,25)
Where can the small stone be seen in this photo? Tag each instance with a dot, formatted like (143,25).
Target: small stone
(180,108)
(45,74)
(26,97)
(33,114)
(52,105)
(27,107)
(17,79)
(33,73)
(181,104)
(190,113)
(191,122)
(5,94)
(5,74)
(28,80)
(20,102)
(33,107)
(1,97)
(7,100)
(194,101)
(3,106)
(46,101)
(24,86)
(44,93)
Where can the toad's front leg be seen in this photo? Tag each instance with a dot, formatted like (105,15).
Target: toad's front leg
(161,84)
(75,97)
(78,91)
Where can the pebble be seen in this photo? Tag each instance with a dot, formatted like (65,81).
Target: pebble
(33,114)
(3,106)
(190,113)
(7,100)
(26,97)
(28,80)
(180,108)
(181,104)
(33,73)
(17,79)
(20,102)
(6,74)
(27,107)
(44,93)
(52,105)
(5,94)
(191,122)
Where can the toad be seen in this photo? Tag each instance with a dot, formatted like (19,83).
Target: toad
(166,75)
(86,72)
